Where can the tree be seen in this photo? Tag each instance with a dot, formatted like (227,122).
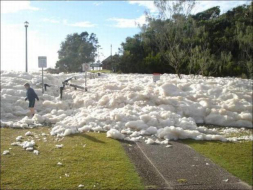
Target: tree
(225,62)
(211,13)
(245,38)
(75,50)
(202,61)
(173,38)
(177,42)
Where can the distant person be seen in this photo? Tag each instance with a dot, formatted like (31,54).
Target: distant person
(30,96)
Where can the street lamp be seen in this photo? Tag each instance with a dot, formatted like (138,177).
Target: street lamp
(26,26)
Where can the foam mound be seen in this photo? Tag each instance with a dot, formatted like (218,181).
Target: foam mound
(131,106)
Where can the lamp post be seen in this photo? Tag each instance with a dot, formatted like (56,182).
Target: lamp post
(111,59)
(26,26)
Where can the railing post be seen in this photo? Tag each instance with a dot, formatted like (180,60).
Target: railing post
(61,90)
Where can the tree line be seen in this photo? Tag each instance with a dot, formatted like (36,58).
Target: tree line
(76,50)
(207,43)
(175,41)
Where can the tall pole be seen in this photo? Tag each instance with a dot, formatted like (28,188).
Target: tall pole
(111,51)
(26,68)
(111,57)
(85,80)
(42,81)
(98,54)
(26,61)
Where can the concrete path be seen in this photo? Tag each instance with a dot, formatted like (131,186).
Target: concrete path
(179,167)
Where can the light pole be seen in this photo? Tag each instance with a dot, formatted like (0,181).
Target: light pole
(26,26)
(111,58)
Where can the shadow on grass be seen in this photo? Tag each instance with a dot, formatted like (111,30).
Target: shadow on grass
(192,141)
(126,142)
(88,137)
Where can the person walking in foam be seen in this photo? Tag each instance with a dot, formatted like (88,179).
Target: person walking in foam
(30,96)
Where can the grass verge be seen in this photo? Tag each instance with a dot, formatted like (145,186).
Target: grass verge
(235,157)
(100,71)
(90,159)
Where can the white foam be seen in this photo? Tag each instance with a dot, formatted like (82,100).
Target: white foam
(28,144)
(19,138)
(5,152)
(59,145)
(129,106)
(149,141)
(28,133)
(114,133)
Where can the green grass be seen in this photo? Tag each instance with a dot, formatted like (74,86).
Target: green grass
(100,71)
(102,164)
(235,157)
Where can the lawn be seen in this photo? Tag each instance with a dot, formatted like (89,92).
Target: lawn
(100,71)
(90,159)
(235,157)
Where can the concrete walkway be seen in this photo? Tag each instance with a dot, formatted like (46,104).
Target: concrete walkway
(179,167)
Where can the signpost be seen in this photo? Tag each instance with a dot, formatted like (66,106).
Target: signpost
(42,60)
(86,67)
(156,76)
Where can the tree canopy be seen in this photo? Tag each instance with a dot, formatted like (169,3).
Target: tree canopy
(75,50)
(206,43)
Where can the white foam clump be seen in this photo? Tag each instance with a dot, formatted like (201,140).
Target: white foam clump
(5,152)
(28,145)
(149,131)
(150,141)
(29,149)
(175,133)
(115,134)
(19,138)
(80,186)
(59,145)
(28,133)
(129,106)
(15,144)
(84,129)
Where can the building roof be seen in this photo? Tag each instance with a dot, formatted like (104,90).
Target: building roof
(106,59)
(96,65)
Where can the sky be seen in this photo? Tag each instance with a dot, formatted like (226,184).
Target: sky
(51,21)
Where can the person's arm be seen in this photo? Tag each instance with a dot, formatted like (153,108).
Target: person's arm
(35,95)
(26,98)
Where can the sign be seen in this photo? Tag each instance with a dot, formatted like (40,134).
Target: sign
(86,66)
(156,76)
(42,64)
(42,61)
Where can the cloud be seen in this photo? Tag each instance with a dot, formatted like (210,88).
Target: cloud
(129,23)
(147,4)
(65,21)
(98,3)
(85,24)
(16,6)
(200,5)
(13,48)
(224,5)
(50,20)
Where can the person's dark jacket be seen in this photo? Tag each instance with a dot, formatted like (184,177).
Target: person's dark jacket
(31,95)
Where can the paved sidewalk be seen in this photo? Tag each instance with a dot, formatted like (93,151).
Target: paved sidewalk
(179,167)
